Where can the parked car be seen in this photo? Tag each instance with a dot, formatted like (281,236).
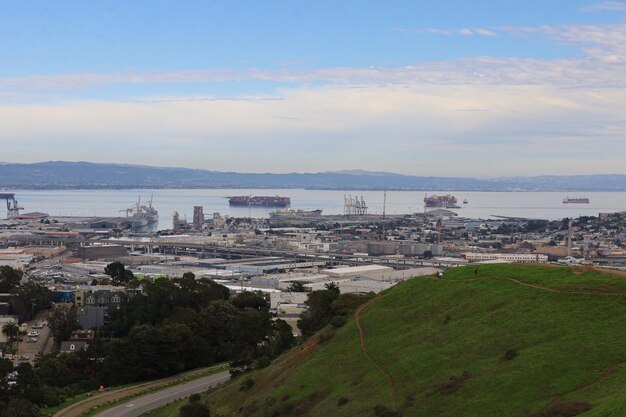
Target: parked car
(32,340)
(38,326)
(33,334)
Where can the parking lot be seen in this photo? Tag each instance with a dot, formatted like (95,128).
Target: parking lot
(31,346)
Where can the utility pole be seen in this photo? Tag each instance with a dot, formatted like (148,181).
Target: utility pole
(569,237)
(384,212)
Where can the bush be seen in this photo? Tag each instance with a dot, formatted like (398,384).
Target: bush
(246,384)
(194,398)
(326,335)
(384,411)
(342,401)
(262,362)
(338,321)
(510,354)
(569,409)
(453,384)
(195,409)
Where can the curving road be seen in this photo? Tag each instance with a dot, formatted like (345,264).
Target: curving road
(145,403)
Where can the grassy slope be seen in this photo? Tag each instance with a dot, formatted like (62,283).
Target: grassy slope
(565,341)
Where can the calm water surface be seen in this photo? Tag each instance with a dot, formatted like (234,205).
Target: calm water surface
(540,205)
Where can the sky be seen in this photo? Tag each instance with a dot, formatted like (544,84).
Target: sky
(444,88)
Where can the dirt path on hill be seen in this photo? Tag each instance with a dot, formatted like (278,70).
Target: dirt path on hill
(601,378)
(541,287)
(390,381)
(609,371)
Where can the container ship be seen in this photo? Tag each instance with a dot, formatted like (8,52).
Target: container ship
(441,201)
(576,200)
(259,201)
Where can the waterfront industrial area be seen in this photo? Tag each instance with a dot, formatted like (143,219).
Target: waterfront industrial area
(356,251)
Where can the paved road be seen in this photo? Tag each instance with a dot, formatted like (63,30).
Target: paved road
(143,404)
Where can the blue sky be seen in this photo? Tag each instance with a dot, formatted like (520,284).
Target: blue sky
(481,88)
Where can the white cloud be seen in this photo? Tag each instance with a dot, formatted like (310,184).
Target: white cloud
(481,128)
(481,114)
(462,31)
(485,32)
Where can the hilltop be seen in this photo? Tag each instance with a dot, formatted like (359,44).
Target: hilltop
(489,340)
(89,175)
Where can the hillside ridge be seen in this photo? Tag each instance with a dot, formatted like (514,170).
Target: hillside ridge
(469,343)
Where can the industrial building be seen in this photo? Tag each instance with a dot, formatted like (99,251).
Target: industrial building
(505,257)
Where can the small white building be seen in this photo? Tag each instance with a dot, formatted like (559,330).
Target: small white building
(279,298)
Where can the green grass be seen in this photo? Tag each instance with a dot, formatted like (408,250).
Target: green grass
(66,403)
(169,410)
(426,330)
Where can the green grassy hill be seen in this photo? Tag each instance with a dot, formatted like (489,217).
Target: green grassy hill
(492,340)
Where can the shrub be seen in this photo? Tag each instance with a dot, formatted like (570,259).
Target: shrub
(326,335)
(247,384)
(195,409)
(568,409)
(453,384)
(262,362)
(194,398)
(447,319)
(510,354)
(338,321)
(384,411)
(342,401)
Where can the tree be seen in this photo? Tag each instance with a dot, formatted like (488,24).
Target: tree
(12,331)
(250,300)
(320,311)
(9,278)
(28,385)
(18,407)
(54,371)
(118,273)
(188,282)
(332,287)
(62,321)
(31,298)
(6,366)
(297,286)
(283,337)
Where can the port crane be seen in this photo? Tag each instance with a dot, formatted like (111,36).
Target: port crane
(13,207)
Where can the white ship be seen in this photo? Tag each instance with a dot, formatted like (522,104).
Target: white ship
(142,216)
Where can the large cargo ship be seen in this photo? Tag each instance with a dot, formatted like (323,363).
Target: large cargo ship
(259,201)
(441,201)
(576,200)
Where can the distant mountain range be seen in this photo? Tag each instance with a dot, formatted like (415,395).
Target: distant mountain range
(87,175)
